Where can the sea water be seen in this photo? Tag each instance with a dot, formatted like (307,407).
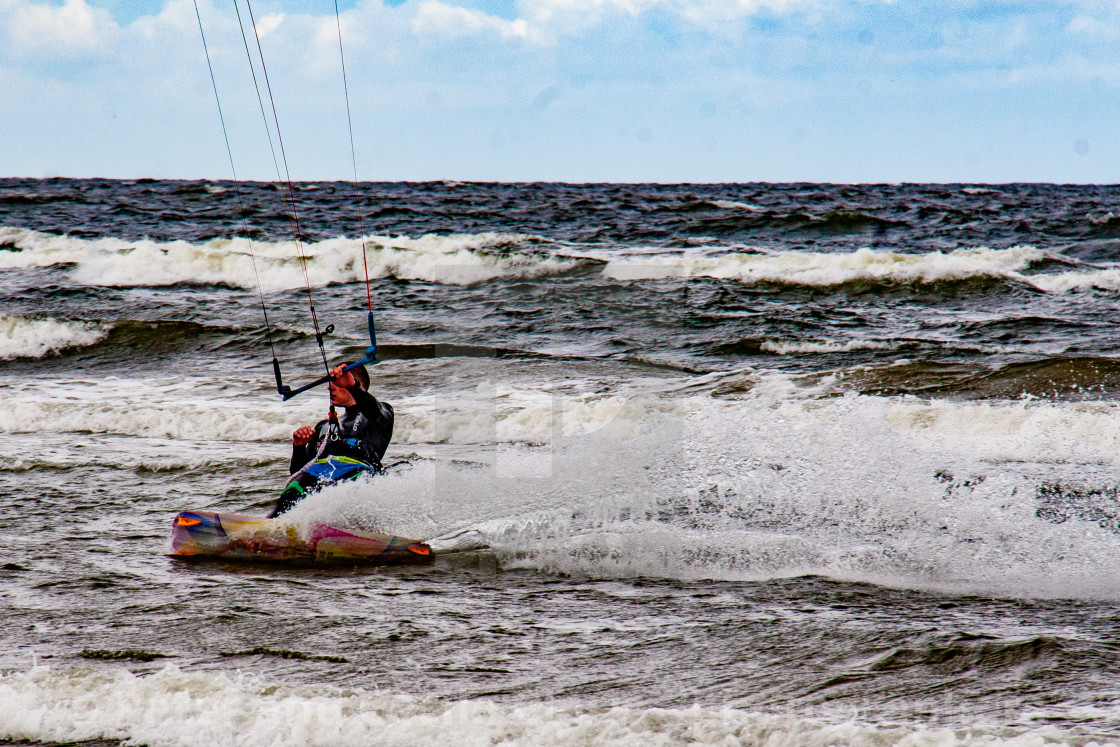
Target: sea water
(762,464)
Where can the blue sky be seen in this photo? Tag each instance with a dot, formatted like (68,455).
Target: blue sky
(571,90)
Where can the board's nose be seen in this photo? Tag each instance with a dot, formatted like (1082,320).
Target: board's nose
(194,532)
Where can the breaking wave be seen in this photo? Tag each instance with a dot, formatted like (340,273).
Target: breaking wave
(466,259)
(453,260)
(865,265)
(199,410)
(40,451)
(175,707)
(507,415)
(21,337)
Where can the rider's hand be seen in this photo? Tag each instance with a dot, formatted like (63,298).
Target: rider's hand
(303,435)
(344,380)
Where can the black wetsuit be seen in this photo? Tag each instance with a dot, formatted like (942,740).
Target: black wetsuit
(364,432)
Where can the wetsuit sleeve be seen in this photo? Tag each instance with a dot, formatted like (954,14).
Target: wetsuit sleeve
(375,412)
(301,455)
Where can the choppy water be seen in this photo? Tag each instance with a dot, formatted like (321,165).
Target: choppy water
(763,464)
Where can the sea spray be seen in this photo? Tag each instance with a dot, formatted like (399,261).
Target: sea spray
(775,484)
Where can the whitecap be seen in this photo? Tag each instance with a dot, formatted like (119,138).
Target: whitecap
(825,269)
(735,205)
(22,337)
(792,347)
(173,708)
(457,259)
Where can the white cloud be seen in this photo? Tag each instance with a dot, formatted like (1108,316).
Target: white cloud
(573,14)
(1094,28)
(434,17)
(441,88)
(713,12)
(541,20)
(268,24)
(74,29)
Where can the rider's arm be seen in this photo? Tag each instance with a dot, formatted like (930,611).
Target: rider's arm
(369,406)
(304,453)
(301,455)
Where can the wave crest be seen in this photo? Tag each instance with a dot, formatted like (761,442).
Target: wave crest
(828,269)
(21,337)
(510,415)
(173,707)
(458,259)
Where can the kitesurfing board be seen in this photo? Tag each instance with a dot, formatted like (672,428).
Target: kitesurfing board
(205,534)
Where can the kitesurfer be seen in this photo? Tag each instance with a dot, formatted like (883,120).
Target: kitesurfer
(339,449)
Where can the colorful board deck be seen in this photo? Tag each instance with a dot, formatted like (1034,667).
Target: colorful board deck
(205,534)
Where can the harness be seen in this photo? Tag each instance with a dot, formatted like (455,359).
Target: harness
(335,468)
(353,448)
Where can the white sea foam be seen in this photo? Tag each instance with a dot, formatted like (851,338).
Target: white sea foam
(172,708)
(1108,279)
(455,259)
(180,409)
(21,337)
(524,415)
(787,348)
(733,205)
(473,258)
(195,410)
(824,269)
(23,452)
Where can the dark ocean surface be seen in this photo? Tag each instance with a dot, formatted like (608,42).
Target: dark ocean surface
(761,464)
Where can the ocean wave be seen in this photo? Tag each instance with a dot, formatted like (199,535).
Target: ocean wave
(849,221)
(188,409)
(179,409)
(21,337)
(139,463)
(790,348)
(826,269)
(1051,378)
(173,707)
(740,216)
(1106,225)
(126,339)
(40,451)
(1069,281)
(819,269)
(523,415)
(734,205)
(474,258)
(454,260)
